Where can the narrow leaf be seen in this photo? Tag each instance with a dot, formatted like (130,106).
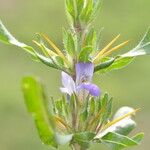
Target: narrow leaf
(117,141)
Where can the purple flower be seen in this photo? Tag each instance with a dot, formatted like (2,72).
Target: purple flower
(84,72)
(82,86)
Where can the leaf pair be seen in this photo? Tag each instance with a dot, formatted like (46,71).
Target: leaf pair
(120,61)
(55,59)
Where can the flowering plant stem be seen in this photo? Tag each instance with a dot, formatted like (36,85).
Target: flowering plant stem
(83,115)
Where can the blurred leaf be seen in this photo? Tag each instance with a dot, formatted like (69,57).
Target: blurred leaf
(97,4)
(80,5)
(87,11)
(36,103)
(83,138)
(84,55)
(138,137)
(70,8)
(7,38)
(117,141)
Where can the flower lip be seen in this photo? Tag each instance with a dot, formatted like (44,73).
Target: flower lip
(91,88)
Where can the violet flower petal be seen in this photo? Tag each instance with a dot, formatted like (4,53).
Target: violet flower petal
(84,72)
(91,88)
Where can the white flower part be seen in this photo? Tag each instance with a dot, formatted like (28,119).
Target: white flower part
(122,111)
(69,86)
(121,124)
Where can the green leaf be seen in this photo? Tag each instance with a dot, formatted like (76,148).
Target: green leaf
(7,38)
(90,39)
(143,48)
(61,107)
(138,137)
(108,110)
(36,103)
(71,8)
(83,138)
(92,107)
(69,42)
(84,55)
(114,64)
(87,11)
(80,6)
(117,141)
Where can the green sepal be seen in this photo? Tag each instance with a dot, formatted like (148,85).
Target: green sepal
(36,103)
(80,6)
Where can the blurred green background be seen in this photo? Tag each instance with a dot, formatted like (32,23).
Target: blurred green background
(129,86)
